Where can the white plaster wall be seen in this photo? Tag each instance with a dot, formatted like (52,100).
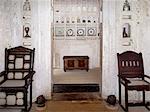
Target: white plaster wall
(109,62)
(10,26)
(112,42)
(11,34)
(145,37)
(145,34)
(77,47)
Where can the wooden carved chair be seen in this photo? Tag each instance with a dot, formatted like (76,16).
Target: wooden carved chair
(16,79)
(131,76)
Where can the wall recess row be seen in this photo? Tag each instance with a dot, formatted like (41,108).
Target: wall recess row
(26,41)
(76,18)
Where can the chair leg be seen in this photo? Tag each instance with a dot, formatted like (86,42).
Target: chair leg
(126,99)
(27,108)
(25,101)
(30,96)
(119,92)
(124,108)
(143,97)
(146,104)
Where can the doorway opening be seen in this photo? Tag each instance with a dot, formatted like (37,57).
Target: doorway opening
(77,46)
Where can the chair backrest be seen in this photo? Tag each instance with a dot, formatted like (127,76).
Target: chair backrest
(130,64)
(19,62)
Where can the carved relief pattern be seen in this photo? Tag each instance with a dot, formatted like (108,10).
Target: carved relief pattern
(26,6)
(27,23)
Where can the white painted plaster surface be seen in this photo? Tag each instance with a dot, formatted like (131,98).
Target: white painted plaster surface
(84,47)
(11,35)
(10,26)
(109,65)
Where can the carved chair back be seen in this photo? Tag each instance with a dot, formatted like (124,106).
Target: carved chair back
(18,62)
(130,64)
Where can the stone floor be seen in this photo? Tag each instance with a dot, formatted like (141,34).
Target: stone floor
(78,102)
(74,106)
(65,102)
(77,106)
(81,102)
(76,76)
(83,106)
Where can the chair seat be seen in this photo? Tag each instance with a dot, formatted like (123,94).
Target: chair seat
(138,84)
(13,83)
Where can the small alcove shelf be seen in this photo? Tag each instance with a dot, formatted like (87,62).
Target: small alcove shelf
(126,23)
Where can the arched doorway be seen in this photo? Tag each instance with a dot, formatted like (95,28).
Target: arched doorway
(77,31)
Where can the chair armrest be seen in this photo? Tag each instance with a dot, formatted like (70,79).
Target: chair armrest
(147,76)
(30,75)
(124,79)
(2,73)
(28,78)
(2,77)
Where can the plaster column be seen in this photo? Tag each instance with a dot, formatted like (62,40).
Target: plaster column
(109,59)
(41,19)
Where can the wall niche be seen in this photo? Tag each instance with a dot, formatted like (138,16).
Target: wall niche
(126,30)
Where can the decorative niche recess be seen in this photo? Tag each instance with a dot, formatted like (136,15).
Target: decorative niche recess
(26,41)
(130,15)
(126,17)
(79,19)
(126,31)
(126,6)
(126,10)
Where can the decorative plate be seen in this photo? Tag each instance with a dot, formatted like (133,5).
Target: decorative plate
(70,32)
(81,32)
(91,31)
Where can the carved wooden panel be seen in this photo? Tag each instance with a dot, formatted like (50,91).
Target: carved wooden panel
(76,62)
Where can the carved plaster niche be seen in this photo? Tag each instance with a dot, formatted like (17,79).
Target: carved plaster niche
(59,31)
(126,6)
(27,44)
(27,30)
(146,7)
(26,6)
(126,31)
(126,17)
(26,9)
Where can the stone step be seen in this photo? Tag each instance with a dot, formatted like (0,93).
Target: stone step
(62,88)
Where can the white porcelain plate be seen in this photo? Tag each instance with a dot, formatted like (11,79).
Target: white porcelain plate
(91,31)
(69,32)
(81,32)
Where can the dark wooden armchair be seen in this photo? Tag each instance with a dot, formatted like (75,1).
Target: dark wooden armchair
(16,80)
(131,76)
